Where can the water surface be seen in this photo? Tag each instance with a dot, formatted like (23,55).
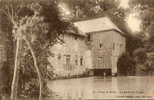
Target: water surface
(103,87)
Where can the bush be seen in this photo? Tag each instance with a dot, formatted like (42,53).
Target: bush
(126,65)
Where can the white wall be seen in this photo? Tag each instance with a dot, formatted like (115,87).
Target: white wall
(113,45)
(76,48)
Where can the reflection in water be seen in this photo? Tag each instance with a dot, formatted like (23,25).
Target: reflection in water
(103,87)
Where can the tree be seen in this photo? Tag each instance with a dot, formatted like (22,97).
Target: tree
(93,8)
(143,3)
(38,25)
(140,55)
(126,65)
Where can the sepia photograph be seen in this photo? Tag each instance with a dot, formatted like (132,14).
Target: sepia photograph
(76,49)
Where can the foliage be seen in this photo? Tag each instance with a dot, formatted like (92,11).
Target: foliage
(137,43)
(83,9)
(144,64)
(140,55)
(6,41)
(42,31)
(149,3)
(126,65)
(40,24)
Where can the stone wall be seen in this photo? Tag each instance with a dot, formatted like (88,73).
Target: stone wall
(72,57)
(107,46)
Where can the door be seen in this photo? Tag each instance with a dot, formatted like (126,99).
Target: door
(100,62)
(67,62)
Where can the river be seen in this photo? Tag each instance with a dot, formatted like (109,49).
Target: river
(103,87)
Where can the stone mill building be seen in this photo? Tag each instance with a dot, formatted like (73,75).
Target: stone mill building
(96,48)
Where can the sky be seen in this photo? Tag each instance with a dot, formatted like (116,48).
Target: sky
(133,20)
(64,8)
(124,3)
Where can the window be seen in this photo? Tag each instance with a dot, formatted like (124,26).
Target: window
(75,37)
(89,37)
(67,62)
(68,59)
(81,61)
(100,45)
(100,60)
(113,46)
(76,59)
(59,56)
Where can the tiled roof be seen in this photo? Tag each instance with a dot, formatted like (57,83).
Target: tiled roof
(95,25)
(74,31)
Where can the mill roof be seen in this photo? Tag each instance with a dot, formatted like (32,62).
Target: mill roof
(96,25)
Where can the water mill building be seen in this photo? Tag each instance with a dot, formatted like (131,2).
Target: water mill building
(96,47)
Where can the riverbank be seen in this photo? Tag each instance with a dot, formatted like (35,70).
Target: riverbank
(70,76)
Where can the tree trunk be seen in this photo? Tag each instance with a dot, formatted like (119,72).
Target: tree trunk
(36,67)
(15,74)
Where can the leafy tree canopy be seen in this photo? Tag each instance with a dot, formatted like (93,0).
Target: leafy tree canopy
(39,24)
